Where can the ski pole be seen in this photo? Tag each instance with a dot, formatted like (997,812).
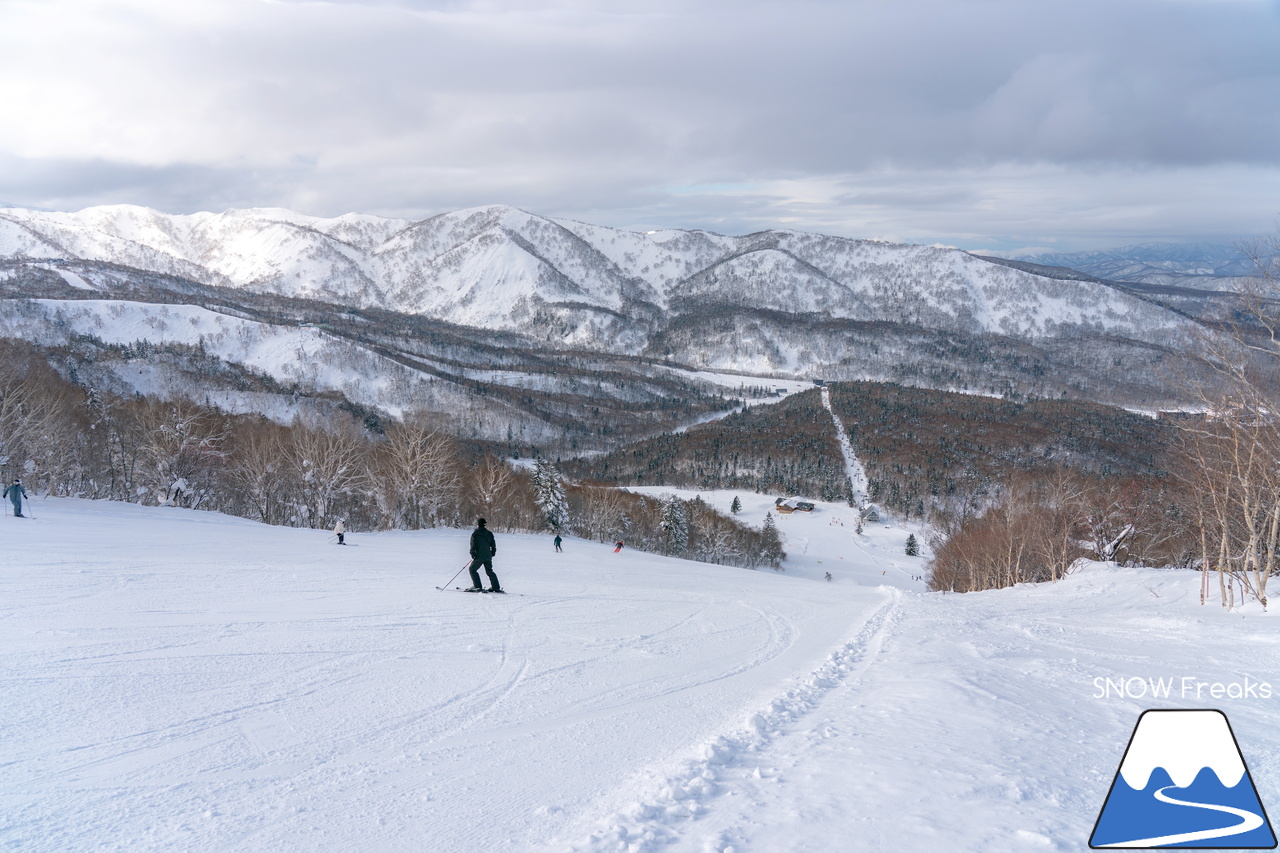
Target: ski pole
(455,577)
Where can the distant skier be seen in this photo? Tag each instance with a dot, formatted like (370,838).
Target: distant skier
(619,548)
(340,529)
(483,549)
(828,575)
(558,548)
(16,493)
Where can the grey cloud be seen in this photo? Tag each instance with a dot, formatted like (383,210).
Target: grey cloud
(61,184)
(570,108)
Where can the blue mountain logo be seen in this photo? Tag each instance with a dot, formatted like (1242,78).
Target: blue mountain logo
(1183,783)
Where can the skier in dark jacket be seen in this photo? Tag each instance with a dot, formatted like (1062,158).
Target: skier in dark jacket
(557,543)
(483,548)
(16,493)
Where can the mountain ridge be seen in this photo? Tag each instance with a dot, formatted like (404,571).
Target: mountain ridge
(509,254)
(783,304)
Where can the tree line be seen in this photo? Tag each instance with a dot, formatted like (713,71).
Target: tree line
(65,439)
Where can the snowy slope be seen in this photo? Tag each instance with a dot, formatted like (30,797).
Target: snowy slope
(181,680)
(192,680)
(123,331)
(967,723)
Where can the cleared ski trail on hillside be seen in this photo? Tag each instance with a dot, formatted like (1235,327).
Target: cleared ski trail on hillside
(853,468)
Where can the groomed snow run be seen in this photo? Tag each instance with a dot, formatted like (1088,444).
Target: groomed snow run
(179,680)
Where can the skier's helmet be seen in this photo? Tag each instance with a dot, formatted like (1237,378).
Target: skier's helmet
(480,522)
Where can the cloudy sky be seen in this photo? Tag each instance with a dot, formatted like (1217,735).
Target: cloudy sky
(1061,124)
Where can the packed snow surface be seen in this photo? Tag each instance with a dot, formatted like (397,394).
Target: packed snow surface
(180,680)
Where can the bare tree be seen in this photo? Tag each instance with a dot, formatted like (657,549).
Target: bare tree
(181,450)
(420,474)
(602,513)
(258,468)
(1234,450)
(492,482)
(328,464)
(35,418)
(716,539)
(1030,535)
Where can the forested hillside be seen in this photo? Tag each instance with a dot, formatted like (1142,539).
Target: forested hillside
(773,303)
(924,451)
(923,448)
(1016,492)
(329,464)
(130,332)
(789,447)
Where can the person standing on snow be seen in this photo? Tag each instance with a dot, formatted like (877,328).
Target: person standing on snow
(557,542)
(340,529)
(619,546)
(16,493)
(483,549)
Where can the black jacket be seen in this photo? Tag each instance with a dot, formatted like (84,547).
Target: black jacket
(482,545)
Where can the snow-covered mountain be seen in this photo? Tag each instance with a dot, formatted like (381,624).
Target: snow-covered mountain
(128,332)
(538,329)
(582,285)
(275,251)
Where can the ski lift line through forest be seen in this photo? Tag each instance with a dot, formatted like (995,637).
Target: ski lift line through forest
(854,470)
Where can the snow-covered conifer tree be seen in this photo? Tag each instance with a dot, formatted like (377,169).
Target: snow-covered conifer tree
(675,525)
(548,494)
(773,553)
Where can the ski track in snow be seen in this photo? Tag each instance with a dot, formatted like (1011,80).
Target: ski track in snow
(656,821)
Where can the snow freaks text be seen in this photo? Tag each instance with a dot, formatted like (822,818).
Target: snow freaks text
(1183,687)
